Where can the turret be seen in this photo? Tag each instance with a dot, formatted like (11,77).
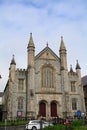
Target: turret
(63,55)
(31,52)
(71,69)
(80,87)
(30,87)
(78,70)
(12,69)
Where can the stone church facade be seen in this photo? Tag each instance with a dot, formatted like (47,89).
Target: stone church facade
(45,87)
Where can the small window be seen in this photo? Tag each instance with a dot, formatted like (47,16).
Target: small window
(21,84)
(20,103)
(74,104)
(73,87)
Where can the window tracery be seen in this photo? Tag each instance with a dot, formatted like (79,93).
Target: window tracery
(47,77)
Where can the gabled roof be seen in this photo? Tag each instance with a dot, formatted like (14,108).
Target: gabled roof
(47,53)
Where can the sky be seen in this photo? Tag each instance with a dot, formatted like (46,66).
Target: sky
(48,20)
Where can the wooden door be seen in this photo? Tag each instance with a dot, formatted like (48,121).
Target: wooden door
(42,109)
(53,109)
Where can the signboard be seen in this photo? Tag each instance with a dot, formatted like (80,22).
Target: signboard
(19,113)
(79,113)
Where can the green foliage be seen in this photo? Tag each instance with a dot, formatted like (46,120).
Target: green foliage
(77,123)
(63,127)
(55,127)
(11,123)
(69,127)
(59,127)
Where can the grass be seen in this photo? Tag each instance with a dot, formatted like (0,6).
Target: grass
(62,127)
(76,125)
(11,123)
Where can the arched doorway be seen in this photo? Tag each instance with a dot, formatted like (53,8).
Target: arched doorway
(53,109)
(42,109)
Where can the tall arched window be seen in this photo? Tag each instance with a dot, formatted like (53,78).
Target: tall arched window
(20,103)
(73,87)
(47,77)
(20,85)
(74,104)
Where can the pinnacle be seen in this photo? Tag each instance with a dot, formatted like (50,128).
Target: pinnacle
(31,43)
(13,61)
(62,46)
(77,65)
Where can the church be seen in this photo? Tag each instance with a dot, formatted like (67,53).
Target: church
(45,88)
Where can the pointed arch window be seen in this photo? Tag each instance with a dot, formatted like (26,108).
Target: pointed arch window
(74,104)
(73,87)
(20,103)
(47,77)
(20,85)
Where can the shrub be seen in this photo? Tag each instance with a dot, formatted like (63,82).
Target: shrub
(55,127)
(77,123)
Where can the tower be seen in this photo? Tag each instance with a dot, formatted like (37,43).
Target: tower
(64,77)
(30,87)
(12,69)
(10,85)
(80,86)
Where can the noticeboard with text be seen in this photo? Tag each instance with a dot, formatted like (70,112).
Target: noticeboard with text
(19,113)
